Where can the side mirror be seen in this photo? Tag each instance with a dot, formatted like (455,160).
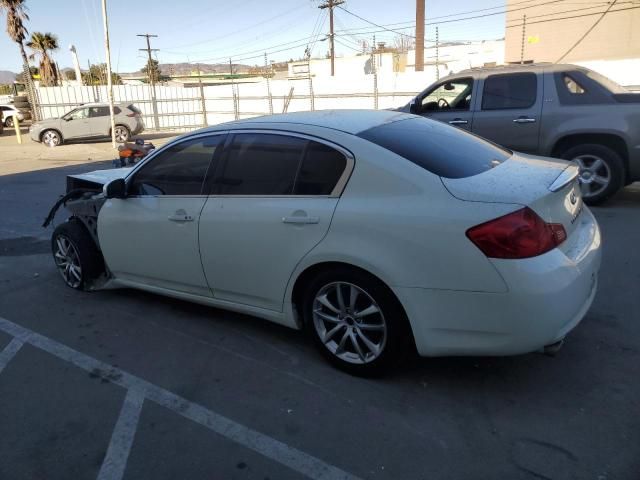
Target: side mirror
(115,189)
(414,106)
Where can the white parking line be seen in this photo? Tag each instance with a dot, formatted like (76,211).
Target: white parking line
(115,460)
(271,448)
(9,352)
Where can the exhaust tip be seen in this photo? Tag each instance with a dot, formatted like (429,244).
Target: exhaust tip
(553,349)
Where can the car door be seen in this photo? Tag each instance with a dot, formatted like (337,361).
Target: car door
(151,236)
(77,124)
(273,201)
(100,120)
(510,110)
(449,102)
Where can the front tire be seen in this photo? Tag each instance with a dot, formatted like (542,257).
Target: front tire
(601,171)
(51,138)
(76,255)
(355,321)
(8,122)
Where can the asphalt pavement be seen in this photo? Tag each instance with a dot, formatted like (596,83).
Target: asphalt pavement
(124,384)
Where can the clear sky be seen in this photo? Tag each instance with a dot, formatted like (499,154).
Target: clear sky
(214,30)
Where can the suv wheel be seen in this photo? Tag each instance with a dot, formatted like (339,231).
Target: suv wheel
(75,254)
(51,138)
(355,321)
(601,171)
(8,122)
(121,134)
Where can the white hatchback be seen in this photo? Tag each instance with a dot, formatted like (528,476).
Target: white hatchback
(379,232)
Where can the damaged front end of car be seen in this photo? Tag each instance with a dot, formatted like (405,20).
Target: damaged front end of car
(84,197)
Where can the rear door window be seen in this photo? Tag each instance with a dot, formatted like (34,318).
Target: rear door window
(261,164)
(99,112)
(320,171)
(509,91)
(441,149)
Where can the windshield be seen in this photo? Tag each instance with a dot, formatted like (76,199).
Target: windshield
(607,83)
(443,150)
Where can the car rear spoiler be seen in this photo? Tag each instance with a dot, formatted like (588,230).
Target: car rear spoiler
(567,176)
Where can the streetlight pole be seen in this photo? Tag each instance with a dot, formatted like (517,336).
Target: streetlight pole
(109,80)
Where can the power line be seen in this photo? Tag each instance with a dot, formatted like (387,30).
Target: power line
(588,31)
(412,24)
(375,24)
(571,17)
(262,22)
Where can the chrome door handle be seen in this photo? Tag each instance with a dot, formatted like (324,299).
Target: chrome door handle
(458,121)
(301,220)
(180,218)
(524,120)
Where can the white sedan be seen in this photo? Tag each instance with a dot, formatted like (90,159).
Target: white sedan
(379,232)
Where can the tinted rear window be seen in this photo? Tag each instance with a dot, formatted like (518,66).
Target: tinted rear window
(510,90)
(441,149)
(134,109)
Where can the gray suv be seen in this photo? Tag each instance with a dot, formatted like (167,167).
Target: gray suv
(89,121)
(562,111)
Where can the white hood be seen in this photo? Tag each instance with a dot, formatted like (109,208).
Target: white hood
(103,176)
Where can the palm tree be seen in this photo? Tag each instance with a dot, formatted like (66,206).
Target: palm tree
(16,16)
(42,44)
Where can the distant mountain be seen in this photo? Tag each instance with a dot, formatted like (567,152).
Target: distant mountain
(7,76)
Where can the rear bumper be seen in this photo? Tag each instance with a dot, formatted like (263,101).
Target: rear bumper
(548,296)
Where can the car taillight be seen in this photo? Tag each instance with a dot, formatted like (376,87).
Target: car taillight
(133,114)
(520,234)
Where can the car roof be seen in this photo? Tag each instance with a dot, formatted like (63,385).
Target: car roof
(349,121)
(103,104)
(530,67)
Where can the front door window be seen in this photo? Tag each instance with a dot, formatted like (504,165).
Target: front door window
(454,95)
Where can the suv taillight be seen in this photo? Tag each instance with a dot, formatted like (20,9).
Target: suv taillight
(134,114)
(520,234)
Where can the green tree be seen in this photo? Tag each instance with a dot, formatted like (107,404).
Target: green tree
(69,75)
(42,45)
(152,70)
(97,75)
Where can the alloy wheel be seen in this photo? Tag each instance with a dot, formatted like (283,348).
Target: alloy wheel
(51,138)
(349,322)
(121,134)
(68,261)
(594,176)
(9,122)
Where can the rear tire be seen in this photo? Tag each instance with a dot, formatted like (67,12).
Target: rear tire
(602,171)
(122,134)
(363,345)
(76,255)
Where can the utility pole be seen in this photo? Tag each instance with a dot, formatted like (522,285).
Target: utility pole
(152,80)
(524,36)
(331,4)
(419,61)
(109,80)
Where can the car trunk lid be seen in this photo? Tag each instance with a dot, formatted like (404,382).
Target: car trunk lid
(547,186)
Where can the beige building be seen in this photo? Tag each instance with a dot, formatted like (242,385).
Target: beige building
(550,31)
